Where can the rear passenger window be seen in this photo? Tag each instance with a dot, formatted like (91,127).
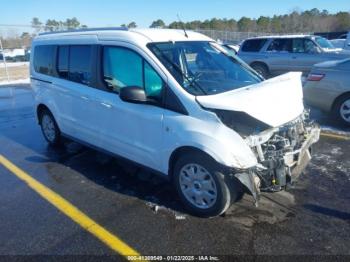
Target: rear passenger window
(80,64)
(253,45)
(280,45)
(62,63)
(44,59)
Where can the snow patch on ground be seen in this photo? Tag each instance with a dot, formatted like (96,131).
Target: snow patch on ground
(14,64)
(335,130)
(336,151)
(327,165)
(14,82)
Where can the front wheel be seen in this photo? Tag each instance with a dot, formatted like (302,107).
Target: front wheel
(202,186)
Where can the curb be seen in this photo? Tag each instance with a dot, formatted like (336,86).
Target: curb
(334,132)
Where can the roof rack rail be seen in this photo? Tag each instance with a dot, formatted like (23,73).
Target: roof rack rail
(86,30)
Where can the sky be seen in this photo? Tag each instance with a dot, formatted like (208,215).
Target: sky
(98,13)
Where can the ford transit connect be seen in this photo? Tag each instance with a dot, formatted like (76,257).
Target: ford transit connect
(177,103)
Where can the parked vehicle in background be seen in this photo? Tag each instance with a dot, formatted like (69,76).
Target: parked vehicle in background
(232,47)
(273,55)
(177,103)
(17,55)
(338,43)
(328,88)
(19,58)
(342,42)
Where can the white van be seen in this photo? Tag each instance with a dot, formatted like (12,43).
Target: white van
(177,103)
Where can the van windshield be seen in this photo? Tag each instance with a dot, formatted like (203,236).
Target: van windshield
(204,68)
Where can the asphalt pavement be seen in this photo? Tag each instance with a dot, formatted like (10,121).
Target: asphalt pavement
(311,218)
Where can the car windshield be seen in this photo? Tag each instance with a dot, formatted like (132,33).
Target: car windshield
(324,43)
(204,68)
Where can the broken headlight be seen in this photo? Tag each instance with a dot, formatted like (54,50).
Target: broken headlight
(241,122)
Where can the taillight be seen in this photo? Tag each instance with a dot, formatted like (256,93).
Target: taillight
(315,77)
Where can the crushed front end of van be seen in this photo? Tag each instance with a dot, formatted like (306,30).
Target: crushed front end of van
(271,118)
(282,153)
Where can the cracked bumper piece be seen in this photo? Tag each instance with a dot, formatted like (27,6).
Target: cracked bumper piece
(304,154)
(281,163)
(252,182)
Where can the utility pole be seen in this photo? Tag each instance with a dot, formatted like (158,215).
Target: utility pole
(4,60)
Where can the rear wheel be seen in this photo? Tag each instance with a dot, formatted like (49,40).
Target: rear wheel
(341,110)
(50,128)
(202,185)
(261,69)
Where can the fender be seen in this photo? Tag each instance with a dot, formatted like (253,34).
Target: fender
(224,145)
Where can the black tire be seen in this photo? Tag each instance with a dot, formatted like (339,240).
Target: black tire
(228,189)
(336,111)
(261,69)
(54,139)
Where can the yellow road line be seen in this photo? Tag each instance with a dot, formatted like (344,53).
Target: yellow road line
(71,211)
(335,136)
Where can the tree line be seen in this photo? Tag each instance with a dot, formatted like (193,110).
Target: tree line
(297,21)
(55,25)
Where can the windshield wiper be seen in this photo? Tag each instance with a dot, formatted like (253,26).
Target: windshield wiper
(191,82)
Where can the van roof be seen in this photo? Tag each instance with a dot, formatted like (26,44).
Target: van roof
(144,35)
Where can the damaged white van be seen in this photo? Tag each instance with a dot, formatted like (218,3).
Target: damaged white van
(177,103)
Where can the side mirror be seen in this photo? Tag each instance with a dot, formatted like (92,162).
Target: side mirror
(133,94)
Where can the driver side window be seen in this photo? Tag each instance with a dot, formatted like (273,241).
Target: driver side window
(310,46)
(123,68)
(301,45)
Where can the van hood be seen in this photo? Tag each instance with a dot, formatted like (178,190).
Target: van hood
(274,102)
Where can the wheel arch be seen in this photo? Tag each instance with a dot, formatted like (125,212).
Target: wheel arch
(180,151)
(338,98)
(39,109)
(260,63)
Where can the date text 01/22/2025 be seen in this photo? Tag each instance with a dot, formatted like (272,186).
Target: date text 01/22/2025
(173,258)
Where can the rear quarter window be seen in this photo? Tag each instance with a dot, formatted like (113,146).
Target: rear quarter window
(253,45)
(280,45)
(44,59)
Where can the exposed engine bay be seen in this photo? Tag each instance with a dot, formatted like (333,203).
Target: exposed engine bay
(282,153)
(271,119)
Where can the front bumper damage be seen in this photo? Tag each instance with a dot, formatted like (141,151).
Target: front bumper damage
(282,153)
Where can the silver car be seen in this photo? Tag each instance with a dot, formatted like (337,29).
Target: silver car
(328,88)
(273,55)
